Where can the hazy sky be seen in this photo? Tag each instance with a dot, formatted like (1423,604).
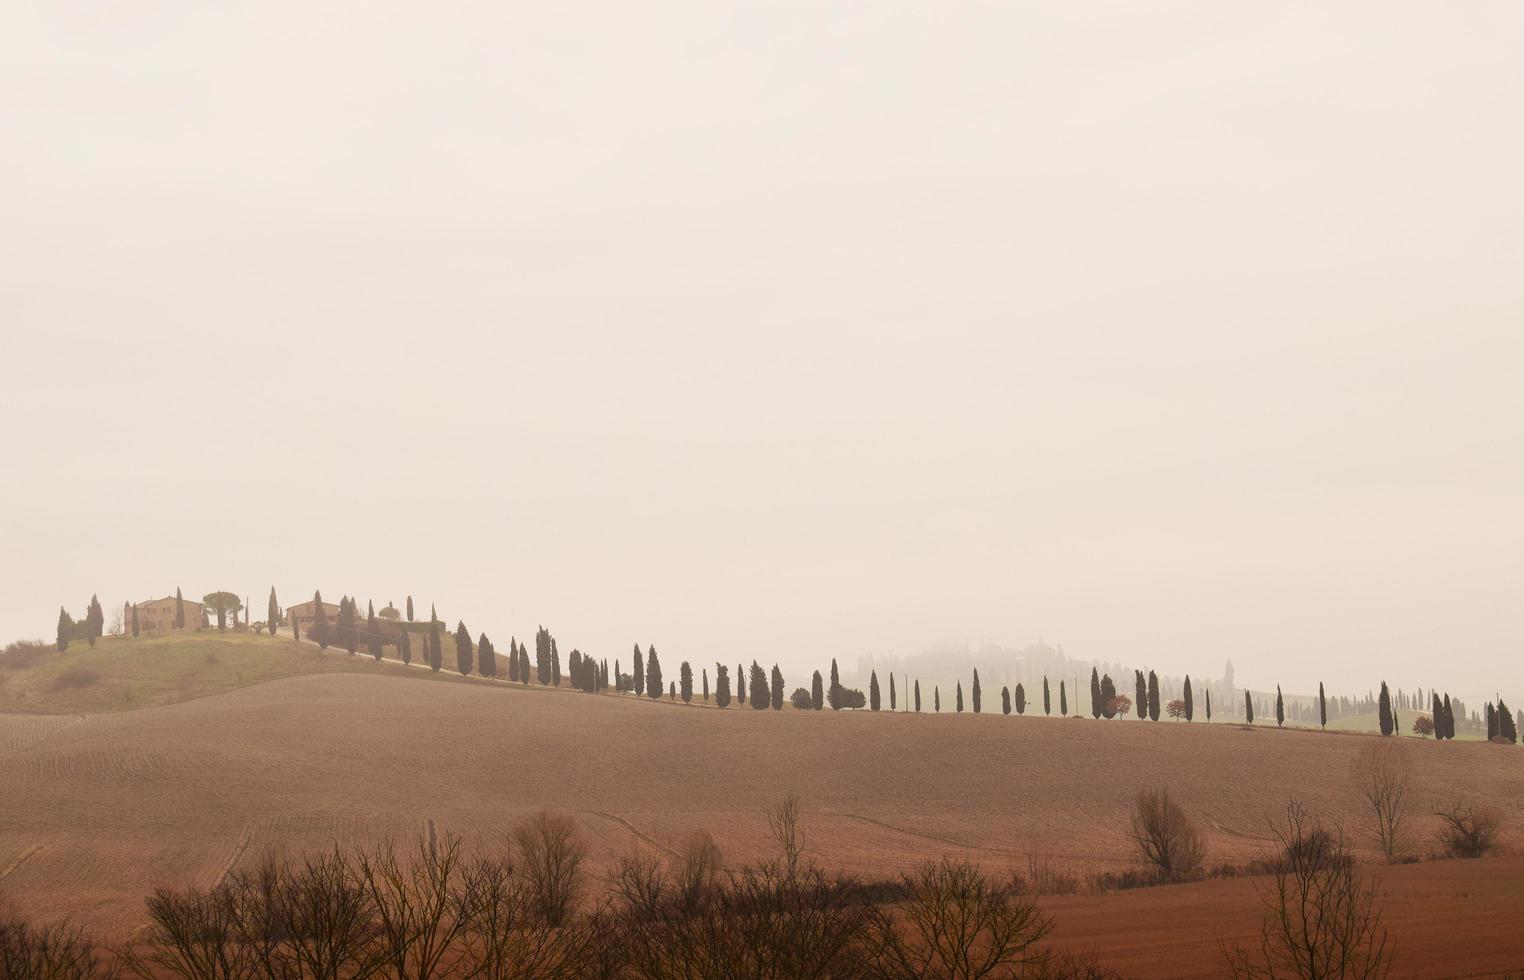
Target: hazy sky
(1171,332)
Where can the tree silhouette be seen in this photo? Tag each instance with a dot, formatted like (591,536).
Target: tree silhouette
(555,664)
(1384,711)
(1063,701)
(638,672)
(372,632)
(974,692)
(1005,700)
(272,615)
(1188,703)
(134,619)
(1153,696)
(761,696)
(685,681)
(892,704)
(320,630)
(653,674)
(833,693)
(777,691)
(1140,689)
(1280,708)
(410,609)
(721,685)
(936,698)
(436,651)
(706,685)
(740,684)
(1507,730)
(462,648)
(1021,699)
(65,628)
(1248,708)
(1209,705)
(1323,707)
(1097,699)
(873,690)
(486,657)
(1047,697)
(1108,696)
(179,609)
(817,693)
(917,696)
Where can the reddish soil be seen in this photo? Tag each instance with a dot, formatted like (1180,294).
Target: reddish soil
(96,811)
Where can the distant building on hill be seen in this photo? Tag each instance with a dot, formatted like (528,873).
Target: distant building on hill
(158,615)
(303,613)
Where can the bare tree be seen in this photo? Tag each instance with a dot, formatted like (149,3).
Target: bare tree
(783,823)
(551,853)
(1384,772)
(1321,921)
(505,936)
(56,951)
(1166,838)
(1467,829)
(697,868)
(956,923)
(419,906)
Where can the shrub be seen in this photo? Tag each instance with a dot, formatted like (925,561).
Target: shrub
(955,922)
(801,699)
(22,654)
(58,951)
(1468,830)
(1320,919)
(76,677)
(1165,837)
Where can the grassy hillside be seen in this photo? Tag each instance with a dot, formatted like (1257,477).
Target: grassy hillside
(122,673)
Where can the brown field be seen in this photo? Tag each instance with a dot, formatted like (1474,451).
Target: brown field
(97,809)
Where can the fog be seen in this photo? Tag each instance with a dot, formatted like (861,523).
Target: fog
(785,331)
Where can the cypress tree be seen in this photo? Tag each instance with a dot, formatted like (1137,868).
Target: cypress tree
(1449,720)
(179,609)
(639,673)
(721,685)
(1140,702)
(653,674)
(1506,727)
(1280,708)
(1153,696)
(410,609)
(777,691)
(523,665)
(1384,710)
(404,648)
(462,648)
(974,692)
(1063,701)
(960,697)
(1108,694)
(436,652)
(486,657)
(817,695)
(555,664)
(1096,704)
(873,690)
(319,631)
(706,685)
(1322,708)
(134,619)
(513,658)
(1248,708)
(1021,699)
(917,696)
(740,684)
(1209,705)
(347,628)
(272,615)
(892,704)
(65,627)
(833,693)
(1005,700)
(1047,697)
(373,632)
(1190,705)
(761,695)
(685,676)
(936,698)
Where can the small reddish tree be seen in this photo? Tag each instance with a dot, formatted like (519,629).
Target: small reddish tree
(1175,709)
(1423,727)
(1118,705)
